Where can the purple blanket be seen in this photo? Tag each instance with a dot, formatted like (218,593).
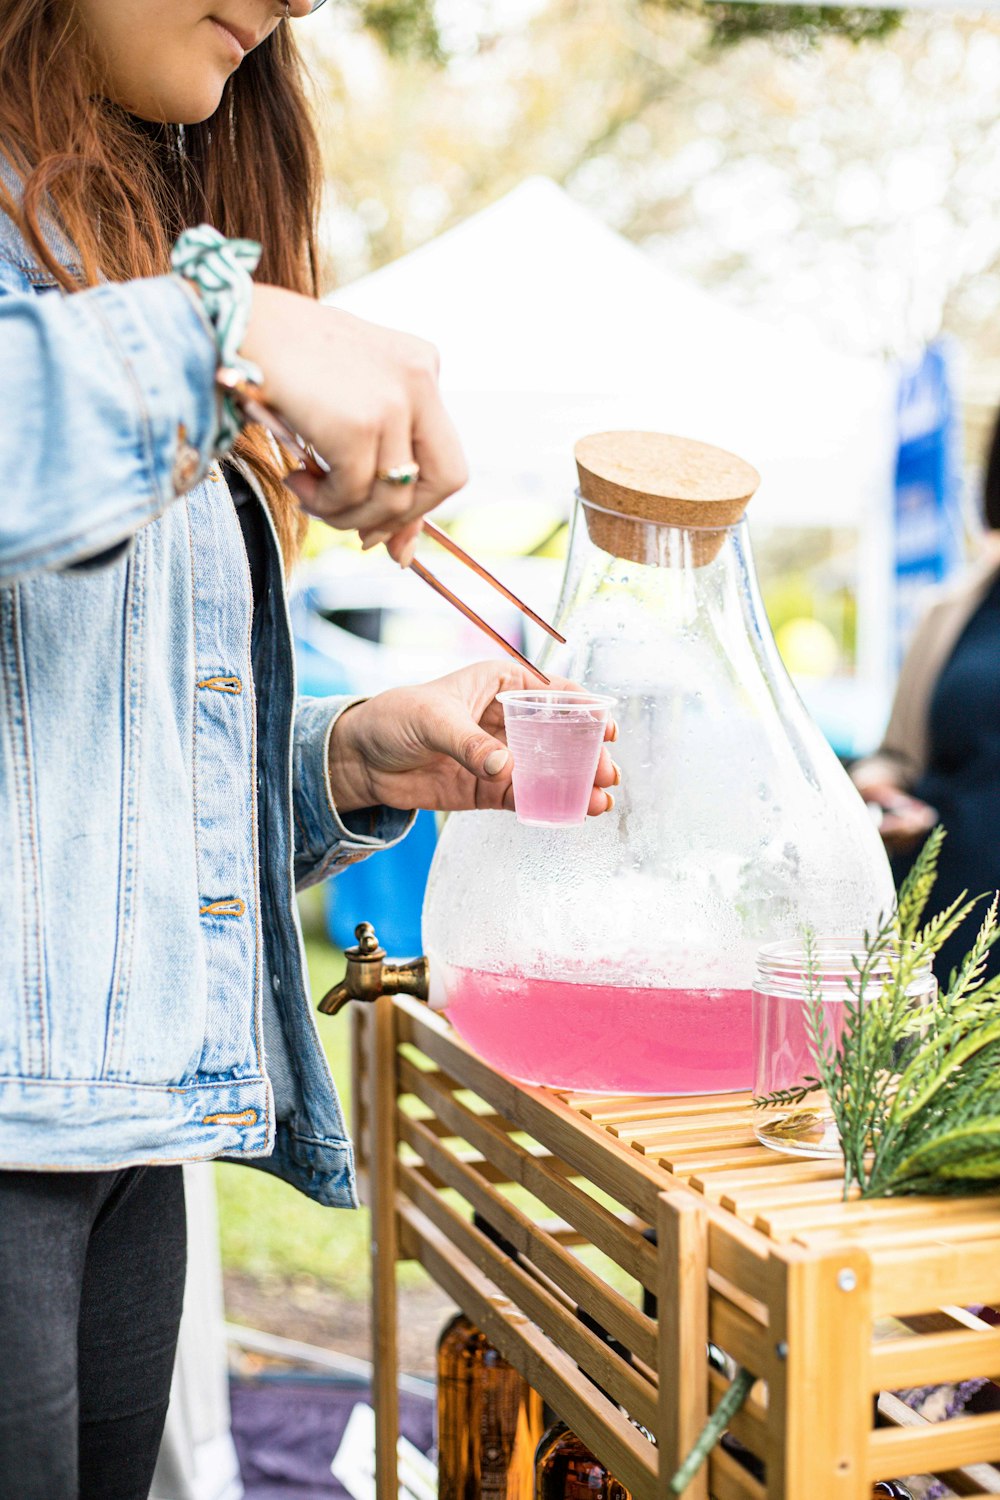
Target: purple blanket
(287,1431)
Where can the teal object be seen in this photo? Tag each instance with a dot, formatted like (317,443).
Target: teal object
(386,890)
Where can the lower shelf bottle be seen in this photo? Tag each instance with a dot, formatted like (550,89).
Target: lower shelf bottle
(489,1418)
(565,1469)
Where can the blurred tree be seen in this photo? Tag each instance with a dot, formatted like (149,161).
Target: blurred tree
(409,28)
(834,186)
(406,28)
(800,24)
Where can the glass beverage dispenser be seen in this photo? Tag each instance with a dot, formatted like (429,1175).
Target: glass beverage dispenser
(620,956)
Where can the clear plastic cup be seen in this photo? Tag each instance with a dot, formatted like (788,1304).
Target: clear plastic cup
(555,739)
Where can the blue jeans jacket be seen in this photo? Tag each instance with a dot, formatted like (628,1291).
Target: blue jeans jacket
(153,1000)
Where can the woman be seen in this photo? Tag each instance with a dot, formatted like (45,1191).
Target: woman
(160,789)
(940,758)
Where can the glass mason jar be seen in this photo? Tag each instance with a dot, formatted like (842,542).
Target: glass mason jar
(783,1055)
(619,956)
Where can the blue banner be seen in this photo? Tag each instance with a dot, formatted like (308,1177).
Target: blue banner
(928,526)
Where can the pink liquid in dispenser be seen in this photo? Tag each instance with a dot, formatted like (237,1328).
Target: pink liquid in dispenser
(609,1038)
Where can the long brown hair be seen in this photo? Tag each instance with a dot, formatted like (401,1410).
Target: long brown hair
(121,190)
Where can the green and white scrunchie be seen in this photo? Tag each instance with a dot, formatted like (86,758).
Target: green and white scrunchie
(220,269)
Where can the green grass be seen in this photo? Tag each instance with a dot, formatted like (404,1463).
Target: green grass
(268,1228)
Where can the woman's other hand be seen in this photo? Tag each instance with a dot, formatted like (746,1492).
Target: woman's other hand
(440,745)
(902,820)
(367,399)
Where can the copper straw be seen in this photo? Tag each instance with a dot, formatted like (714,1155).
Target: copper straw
(452,546)
(247,398)
(470,614)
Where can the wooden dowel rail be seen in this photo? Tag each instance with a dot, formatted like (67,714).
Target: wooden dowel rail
(613,1170)
(976,1479)
(933,1446)
(879,1212)
(684,1160)
(610,1308)
(916,1278)
(635,1107)
(728,1126)
(741,1337)
(892,1235)
(632,1251)
(936,1358)
(730,1481)
(738,1256)
(765,1176)
(549,1315)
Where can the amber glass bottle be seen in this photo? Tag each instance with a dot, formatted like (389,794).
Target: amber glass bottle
(565,1469)
(489,1420)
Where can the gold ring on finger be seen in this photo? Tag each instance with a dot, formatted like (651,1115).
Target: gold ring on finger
(400,474)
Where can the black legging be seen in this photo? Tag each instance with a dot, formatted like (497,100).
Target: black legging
(91,1285)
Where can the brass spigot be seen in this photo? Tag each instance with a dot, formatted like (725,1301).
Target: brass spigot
(368,975)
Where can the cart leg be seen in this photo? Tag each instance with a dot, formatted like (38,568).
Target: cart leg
(384,1243)
(821,1319)
(682,1308)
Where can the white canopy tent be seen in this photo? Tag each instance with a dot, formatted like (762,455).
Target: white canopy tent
(545,316)
(551,325)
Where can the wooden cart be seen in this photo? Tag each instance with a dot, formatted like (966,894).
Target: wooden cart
(832,1305)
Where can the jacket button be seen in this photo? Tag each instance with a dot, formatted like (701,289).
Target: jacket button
(187,463)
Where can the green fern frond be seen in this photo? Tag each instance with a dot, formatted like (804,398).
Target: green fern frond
(952,1152)
(937,1064)
(940,928)
(916,889)
(970,970)
(787,1096)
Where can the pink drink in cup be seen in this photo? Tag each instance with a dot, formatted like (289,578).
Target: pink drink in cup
(555,739)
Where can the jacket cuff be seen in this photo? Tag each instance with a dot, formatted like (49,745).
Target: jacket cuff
(327,840)
(169,353)
(122,373)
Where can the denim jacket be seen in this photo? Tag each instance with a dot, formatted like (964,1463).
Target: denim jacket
(153,999)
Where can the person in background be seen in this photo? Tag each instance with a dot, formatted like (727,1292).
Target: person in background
(940,758)
(162,789)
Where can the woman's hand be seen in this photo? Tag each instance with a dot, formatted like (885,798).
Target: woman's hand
(902,820)
(439,746)
(367,399)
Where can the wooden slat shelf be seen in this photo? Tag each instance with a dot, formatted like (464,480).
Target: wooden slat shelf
(828,1302)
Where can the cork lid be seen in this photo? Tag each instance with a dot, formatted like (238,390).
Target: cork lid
(637,477)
